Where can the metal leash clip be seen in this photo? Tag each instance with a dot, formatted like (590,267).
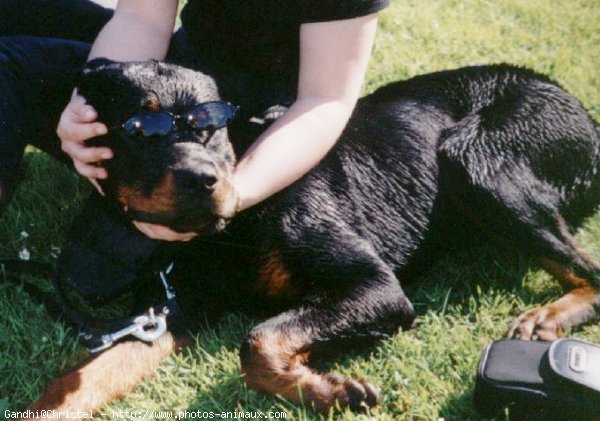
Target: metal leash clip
(147,327)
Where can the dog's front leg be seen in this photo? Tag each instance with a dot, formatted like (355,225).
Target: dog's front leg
(105,377)
(354,304)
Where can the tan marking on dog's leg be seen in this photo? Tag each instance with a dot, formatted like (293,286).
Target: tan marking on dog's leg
(277,363)
(549,322)
(110,375)
(567,278)
(273,278)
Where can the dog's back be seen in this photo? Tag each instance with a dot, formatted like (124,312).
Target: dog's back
(418,150)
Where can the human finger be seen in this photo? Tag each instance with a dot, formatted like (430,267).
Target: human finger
(86,154)
(90,171)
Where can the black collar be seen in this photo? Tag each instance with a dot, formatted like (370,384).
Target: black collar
(98,334)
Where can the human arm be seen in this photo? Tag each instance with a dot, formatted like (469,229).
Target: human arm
(138,30)
(333,60)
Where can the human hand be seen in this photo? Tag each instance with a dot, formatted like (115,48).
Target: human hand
(77,124)
(160,232)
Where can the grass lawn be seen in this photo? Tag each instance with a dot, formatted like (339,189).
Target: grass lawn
(463,302)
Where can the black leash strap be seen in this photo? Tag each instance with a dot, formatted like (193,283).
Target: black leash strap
(98,334)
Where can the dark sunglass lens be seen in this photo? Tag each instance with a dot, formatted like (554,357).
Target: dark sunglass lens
(149,124)
(134,127)
(211,115)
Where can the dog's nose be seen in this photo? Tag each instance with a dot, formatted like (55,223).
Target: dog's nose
(196,182)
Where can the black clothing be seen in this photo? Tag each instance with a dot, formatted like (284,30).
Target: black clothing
(256,42)
(79,20)
(249,46)
(291,11)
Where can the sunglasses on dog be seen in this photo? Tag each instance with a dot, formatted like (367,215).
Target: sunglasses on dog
(206,117)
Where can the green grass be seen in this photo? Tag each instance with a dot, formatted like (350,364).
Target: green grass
(463,301)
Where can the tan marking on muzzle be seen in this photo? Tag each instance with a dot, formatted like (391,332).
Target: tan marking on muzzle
(162,199)
(225,199)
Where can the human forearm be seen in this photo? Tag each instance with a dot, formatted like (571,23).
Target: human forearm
(333,60)
(290,147)
(139,30)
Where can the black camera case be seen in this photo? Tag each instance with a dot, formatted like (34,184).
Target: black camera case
(556,380)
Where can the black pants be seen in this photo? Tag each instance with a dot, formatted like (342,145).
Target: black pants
(44,43)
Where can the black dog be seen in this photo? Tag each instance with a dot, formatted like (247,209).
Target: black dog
(498,147)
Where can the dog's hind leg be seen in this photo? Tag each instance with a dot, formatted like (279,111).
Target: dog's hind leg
(355,303)
(506,175)
(105,377)
(580,304)
(546,236)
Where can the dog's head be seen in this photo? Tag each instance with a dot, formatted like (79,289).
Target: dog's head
(167,128)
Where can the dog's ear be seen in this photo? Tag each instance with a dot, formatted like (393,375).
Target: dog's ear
(98,63)
(105,86)
(92,68)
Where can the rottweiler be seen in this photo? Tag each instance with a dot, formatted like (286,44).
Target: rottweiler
(496,147)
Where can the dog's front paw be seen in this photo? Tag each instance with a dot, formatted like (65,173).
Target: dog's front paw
(542,323)
(357,394)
